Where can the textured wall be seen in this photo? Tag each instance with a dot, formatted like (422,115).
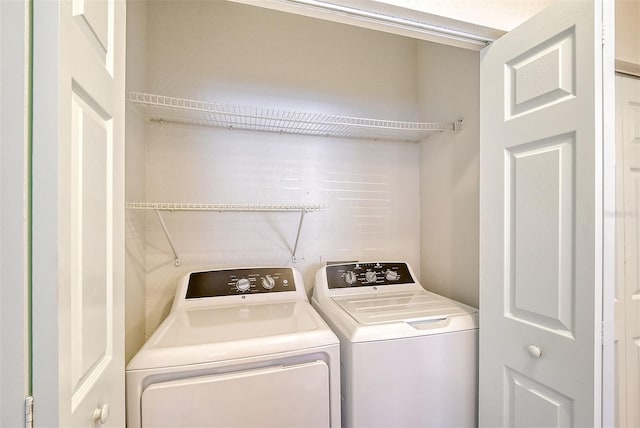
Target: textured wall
(231,53)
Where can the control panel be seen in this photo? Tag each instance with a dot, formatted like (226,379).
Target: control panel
(367,274)
(232,282)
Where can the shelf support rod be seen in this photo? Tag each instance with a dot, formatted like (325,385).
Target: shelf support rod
(295,246)
(166,233)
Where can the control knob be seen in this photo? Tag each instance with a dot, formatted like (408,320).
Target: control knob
(268,282)
(392,275)
(371,276)
(243,284)
(350,277)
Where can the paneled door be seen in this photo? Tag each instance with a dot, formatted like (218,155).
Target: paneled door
(78,191)
(628,279)
(541,213)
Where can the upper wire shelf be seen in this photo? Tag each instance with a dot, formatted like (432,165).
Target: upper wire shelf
(161,108)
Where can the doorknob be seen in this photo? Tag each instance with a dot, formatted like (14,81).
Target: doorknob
(534,351)
(101,414)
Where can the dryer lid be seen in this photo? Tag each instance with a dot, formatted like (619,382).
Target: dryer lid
(195,327)
(419,305)
(223,333)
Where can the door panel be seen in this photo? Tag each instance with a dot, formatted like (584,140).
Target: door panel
(541,76)
(91,245)
(532,404)
(94,19)
(539,199)
(541,218)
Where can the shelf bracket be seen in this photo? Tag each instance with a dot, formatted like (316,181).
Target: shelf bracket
(177,261)
(294,259)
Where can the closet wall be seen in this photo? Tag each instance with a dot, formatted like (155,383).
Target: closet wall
(135,183)
(379,194)
(449,87)
(627,36)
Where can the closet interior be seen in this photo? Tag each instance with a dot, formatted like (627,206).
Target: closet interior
(258,137)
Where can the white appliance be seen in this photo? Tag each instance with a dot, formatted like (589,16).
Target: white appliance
(409,356)
(240,348)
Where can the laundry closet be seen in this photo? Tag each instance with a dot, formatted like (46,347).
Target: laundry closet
(395,194)
(254,137)
(290,190)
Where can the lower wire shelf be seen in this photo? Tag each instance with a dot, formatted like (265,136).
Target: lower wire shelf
(158,207)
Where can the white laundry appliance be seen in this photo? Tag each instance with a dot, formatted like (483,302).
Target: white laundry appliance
(409,356)
(240,348)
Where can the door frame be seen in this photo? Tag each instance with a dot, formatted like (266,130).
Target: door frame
(608,216)
(14,210)
(626,310)
(45,240)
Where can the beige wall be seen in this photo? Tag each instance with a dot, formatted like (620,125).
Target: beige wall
(449,172)
(628,36)
(135,221)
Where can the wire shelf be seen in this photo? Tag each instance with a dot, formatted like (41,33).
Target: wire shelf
(178,110)
(177,206)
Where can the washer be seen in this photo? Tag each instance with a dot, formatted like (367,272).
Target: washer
(409,356)
(239,348)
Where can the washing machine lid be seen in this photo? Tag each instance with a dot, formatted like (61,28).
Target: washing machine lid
(214,334)
(407,306)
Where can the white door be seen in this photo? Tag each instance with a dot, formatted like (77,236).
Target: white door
(628,280)
(541,225)
(78,190)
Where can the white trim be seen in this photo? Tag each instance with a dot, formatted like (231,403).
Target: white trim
(413,25)
(609,207)
(388,18)
(45,215)
(628,68)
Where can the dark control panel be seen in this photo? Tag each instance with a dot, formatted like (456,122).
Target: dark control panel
(367,275)
(233,282)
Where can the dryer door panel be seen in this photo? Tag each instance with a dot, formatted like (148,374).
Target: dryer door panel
(289,396)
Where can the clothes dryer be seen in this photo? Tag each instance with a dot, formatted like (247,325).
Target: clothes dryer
(240,348)
(409,356)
